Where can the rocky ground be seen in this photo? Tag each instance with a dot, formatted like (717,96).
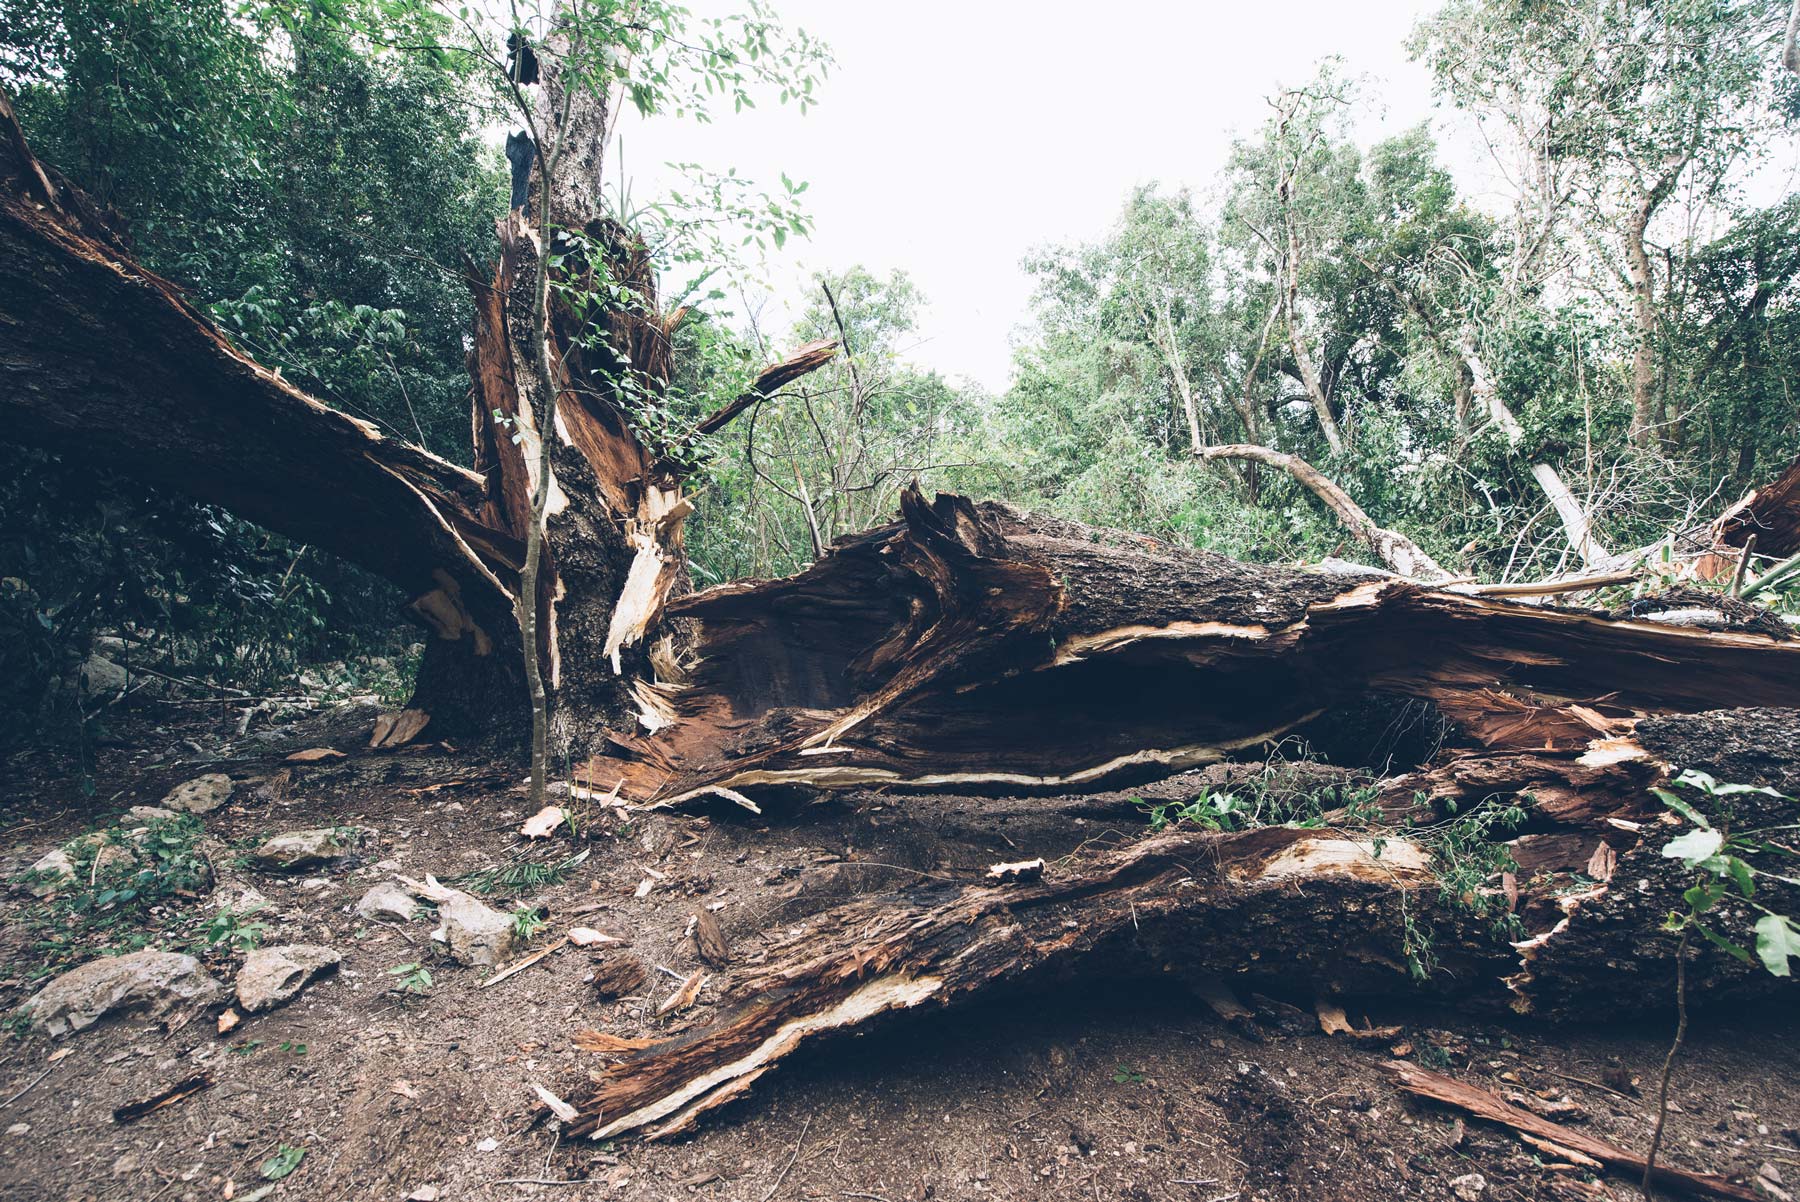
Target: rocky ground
(348,1055)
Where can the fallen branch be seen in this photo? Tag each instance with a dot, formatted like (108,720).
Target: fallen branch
(1395,549)
(1482,1104)
(1286,911)
(526,963)
(1550,588)
(131,1112)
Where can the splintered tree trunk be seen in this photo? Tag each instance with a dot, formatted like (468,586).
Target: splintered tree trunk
(1299,914)
(108,364)
(976,646)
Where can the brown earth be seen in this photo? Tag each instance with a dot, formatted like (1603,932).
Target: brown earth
(1119,1089)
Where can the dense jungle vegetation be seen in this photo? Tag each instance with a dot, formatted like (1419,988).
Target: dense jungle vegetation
(1626,318)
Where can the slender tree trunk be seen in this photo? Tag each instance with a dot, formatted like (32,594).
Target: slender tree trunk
(1178,375)
(1309,375)
(1576,526)
(1646,416)
(1648,405)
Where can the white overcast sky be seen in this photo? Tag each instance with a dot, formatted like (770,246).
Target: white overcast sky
(952,137)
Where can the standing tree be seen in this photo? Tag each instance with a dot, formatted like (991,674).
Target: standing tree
(1623,110)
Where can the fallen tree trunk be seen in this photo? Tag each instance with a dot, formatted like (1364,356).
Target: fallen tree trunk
(1301,913)
(976,646)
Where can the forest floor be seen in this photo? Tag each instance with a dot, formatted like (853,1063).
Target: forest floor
(1127,1089)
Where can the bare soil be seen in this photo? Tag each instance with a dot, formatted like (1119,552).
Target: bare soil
(1124,1089)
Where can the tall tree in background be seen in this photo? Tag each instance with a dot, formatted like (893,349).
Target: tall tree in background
(1621,109)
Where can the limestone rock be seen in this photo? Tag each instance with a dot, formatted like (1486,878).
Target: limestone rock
(388,900)
(1469,1186)
(153,981)
(100,677)
(474,933)
(51,872)
(202,795)
(291,851)
(142,815)
(272,975)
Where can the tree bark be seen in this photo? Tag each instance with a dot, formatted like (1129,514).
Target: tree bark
(1770,513)
(105,361)
(976,646)
(1294,913)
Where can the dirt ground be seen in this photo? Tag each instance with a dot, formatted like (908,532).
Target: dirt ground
(1127,1090)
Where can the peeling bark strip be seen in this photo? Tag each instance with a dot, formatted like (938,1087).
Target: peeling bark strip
(973,645)
(1287,911)
(1482,1104)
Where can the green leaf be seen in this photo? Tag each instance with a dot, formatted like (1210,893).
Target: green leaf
(1694,846)
(285,1161)
(1777,941)
(1723,944)
(1674,803)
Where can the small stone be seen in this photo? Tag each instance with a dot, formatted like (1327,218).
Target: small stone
(18,1129)
(388,900)
(425,1193)
(140,815)
(153,981)
(202,795)
(100,677)
(475,934)
(489,1144)
(51,872)
(1469,1186)
(291,851)
(273,975)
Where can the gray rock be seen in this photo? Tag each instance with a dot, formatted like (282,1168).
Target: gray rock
(51,872)
(140,815)
(273,975)
(240,898)
(388,900)
(474,933)
(202,795)
(100,677)
(156,982)
(291,851)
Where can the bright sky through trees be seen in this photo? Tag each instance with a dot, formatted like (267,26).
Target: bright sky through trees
(955,136)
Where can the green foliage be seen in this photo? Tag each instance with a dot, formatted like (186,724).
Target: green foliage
(287,1158)
(229,929)
(828,455)
(521,875)
(527,921)
(1727,863)
(411,979)
(320,201)
(126,887)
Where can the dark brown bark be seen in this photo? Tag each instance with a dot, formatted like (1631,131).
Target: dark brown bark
(1771,513)
(1280,910)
